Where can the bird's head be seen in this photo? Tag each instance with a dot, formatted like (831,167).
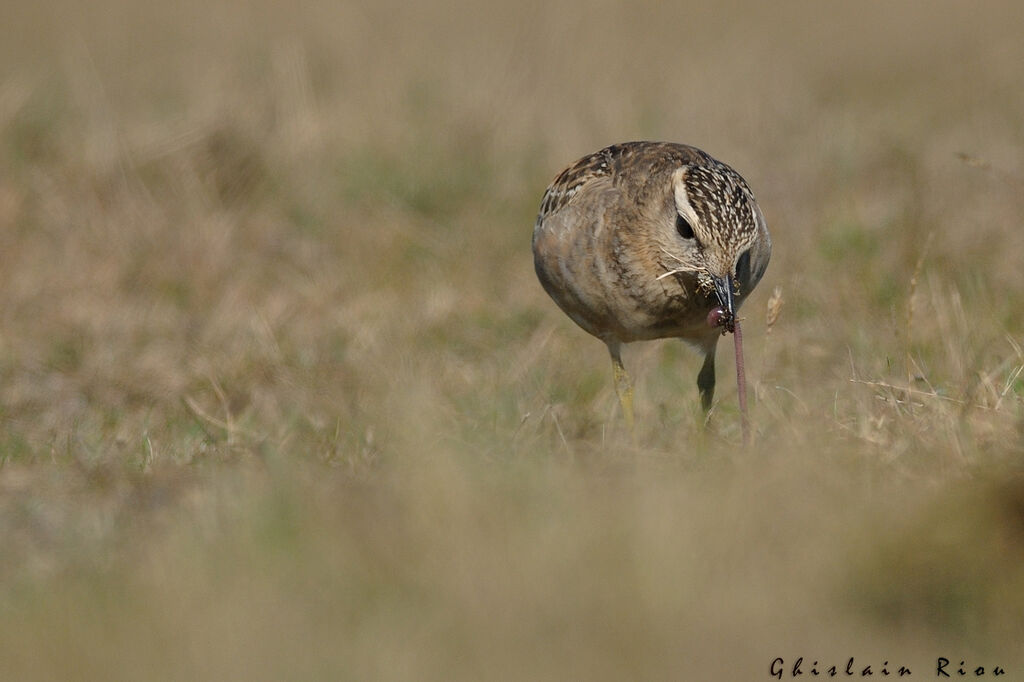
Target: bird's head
(716,223)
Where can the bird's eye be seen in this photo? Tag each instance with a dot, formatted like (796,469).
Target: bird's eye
(683,227)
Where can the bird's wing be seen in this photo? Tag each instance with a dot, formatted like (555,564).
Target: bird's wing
(589,174)
(761,252)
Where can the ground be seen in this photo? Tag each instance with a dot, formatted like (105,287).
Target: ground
(281,397)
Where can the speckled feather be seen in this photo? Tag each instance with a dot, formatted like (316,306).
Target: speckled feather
(610,162)
(611,247)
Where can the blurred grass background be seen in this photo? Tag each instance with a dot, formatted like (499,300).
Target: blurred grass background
(281,398)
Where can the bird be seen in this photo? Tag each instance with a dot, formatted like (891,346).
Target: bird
(650,240)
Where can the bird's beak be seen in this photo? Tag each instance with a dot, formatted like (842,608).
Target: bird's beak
(723,290)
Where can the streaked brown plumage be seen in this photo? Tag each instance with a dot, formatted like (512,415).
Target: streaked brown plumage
(642,240)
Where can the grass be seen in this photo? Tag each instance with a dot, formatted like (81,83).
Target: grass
(280,396)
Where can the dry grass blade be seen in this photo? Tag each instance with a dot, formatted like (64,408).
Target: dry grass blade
(773,309)
(911,291)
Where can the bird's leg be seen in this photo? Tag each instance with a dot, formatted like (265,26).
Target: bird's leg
(706,379)
(623,387)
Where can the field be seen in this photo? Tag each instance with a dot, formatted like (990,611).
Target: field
(281,396)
